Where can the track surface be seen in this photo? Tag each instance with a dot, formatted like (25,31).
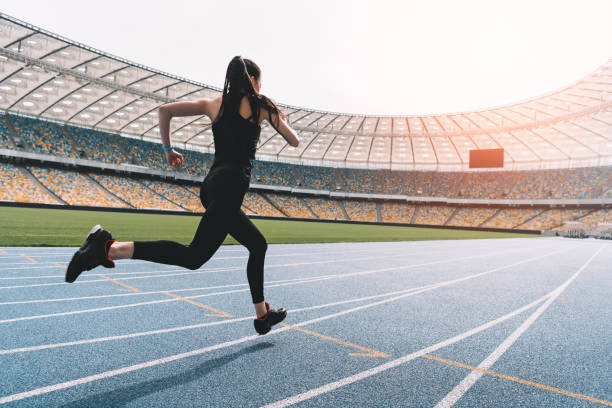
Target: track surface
(370,324)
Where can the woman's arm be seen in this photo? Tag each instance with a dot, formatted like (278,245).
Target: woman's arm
(189,108)
(283,128)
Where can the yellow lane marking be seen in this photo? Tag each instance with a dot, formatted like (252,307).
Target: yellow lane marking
(59,264)
(32,260)
(369,352)
(518,380)
(218,313)
(133,289)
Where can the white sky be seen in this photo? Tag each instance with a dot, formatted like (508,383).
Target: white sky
(372,57)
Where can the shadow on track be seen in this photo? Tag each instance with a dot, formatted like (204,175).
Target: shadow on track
(121,396)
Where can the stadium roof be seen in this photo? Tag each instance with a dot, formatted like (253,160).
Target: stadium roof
(51,77)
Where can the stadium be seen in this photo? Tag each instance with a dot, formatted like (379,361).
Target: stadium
(79,141)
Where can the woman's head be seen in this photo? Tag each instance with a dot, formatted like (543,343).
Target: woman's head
(243,78)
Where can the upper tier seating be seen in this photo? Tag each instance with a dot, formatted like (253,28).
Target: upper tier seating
(42,137)
(5,142)
(69,141)
(98,145)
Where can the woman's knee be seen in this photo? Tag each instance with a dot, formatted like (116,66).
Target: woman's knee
(260,246)
(196,259)
(194,263)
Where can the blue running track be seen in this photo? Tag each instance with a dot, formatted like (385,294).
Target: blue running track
(522,322)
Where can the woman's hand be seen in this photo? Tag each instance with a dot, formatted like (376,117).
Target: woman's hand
(174,158)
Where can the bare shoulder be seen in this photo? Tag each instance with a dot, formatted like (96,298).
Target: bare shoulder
(214,105)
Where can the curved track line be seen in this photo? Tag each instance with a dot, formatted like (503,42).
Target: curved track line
(394,363)
(168,359)
(401,294)
(460,389)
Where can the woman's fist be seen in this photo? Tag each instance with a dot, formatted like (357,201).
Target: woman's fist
(174,158)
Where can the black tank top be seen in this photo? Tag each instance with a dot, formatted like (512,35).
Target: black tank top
(235,141)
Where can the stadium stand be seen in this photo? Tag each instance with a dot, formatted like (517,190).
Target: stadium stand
(196,163)
(177,194)
(553,218)
(17,187)
(397,212)
(511,218)
(134,193)
(316,178)
(98,145)
(5,142)
(471,216)
(146,154)
(360,181)
(589,182)
(595,218)
(557,147)
(260,206)
(271,173)
(361,210)
(325,208)
(75,188)
(292,205)
(42,136)
(433,214)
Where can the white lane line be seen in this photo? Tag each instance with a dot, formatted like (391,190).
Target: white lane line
(394,363)
(460,389)
(196,326)
(136,262)
(205,271)
(162,274)
(226,268)
(231,285)
(133,262)
(426,288)
(214,287)
(168,359)
(177,268)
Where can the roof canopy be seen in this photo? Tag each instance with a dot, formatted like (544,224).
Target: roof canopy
(51,77)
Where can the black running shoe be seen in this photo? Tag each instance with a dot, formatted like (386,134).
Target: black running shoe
(264,324)
(94,252)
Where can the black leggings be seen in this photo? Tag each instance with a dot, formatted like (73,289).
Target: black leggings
(222,195)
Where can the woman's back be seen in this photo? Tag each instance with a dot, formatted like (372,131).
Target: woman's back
(235,139)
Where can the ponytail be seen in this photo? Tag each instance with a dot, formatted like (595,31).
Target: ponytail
(238,84)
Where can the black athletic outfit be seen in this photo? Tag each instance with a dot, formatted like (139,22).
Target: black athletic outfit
(221,193)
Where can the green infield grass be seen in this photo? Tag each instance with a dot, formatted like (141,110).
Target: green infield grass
(21,226)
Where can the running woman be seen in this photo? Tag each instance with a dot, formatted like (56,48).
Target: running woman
(236,118)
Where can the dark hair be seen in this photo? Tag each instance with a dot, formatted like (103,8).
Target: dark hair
(238,84)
